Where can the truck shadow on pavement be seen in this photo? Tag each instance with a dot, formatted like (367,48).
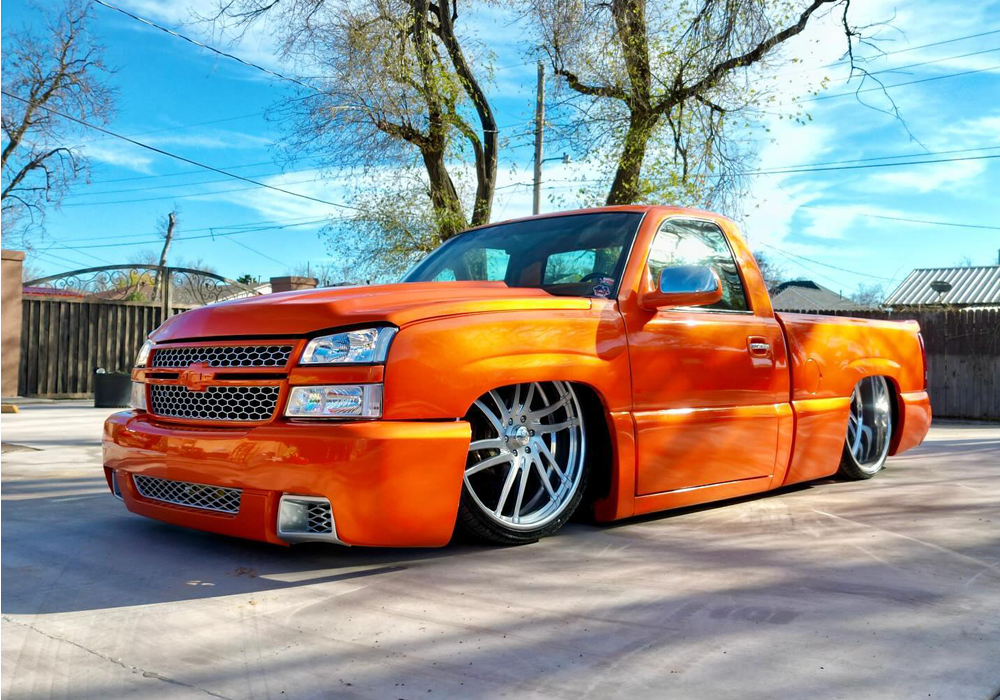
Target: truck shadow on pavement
(69,546)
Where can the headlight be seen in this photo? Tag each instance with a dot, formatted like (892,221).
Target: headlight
(140,359)
(341,401)
(365,345)
(138,399)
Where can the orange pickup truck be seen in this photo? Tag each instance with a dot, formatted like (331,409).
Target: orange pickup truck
(623,359)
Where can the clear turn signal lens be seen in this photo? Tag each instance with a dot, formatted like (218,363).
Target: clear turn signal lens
(339,401)
(138,400)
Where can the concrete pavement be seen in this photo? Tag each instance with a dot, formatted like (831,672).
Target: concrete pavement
(882,589)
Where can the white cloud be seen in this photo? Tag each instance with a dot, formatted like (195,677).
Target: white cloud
(271,204)
(258,44)
(210,140)
(928,178)
(118,154)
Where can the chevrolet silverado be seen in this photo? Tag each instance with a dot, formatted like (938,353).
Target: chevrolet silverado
(612,361)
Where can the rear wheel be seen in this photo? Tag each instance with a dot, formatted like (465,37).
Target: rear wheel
(869,429)
(527,470)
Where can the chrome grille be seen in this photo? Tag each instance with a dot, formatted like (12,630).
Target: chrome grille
(184,493)
(320,519)
(223,356)
(220,402)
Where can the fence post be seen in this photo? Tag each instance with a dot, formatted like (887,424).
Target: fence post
(168,296)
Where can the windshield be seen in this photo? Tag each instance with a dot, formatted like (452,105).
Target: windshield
(573,255)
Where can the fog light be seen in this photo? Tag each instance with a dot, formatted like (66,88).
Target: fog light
(305,519)
(339,401)
(293,516)
(138,400)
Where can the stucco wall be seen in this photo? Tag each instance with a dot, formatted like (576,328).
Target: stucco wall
(10,320)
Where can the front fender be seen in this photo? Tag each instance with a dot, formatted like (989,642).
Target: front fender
(437,368)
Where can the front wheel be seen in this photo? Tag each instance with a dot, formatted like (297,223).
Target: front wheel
(527,470)
(869,430)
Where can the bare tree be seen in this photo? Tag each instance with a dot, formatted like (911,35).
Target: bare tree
(166,226)
(63,69)
(869,294)
(656,86)
(395,85)
(326,273)
(772,272)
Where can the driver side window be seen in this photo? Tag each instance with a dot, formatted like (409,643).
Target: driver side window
(693,242)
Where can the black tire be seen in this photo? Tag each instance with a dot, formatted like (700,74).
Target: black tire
(473,518)
(869,430)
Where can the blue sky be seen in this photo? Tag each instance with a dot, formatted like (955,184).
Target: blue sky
(838,227)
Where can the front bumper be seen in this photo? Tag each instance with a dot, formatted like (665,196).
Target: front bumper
(389,483)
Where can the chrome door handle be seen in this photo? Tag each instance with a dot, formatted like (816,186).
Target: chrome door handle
(759,347)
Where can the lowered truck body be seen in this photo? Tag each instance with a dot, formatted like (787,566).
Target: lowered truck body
(620,360)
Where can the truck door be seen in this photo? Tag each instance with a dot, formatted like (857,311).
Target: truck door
(708,383)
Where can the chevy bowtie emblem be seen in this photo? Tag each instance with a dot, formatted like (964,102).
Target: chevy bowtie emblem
(196,377)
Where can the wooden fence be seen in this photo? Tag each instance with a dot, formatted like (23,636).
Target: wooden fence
(963,358)
(64,341)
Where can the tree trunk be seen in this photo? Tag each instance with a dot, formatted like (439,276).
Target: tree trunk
(444,198)
(625,189)
(162,278)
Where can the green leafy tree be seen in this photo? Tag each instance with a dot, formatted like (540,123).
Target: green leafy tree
(395,87)
(662,91)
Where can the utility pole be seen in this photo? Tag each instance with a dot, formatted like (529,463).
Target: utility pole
(539,120)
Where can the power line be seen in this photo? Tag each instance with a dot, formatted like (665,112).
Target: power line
(952,224)
(192,184)
(915,48)
(894,85)
(179,196)
(179,173)
(832,267)
(248,227)
(777,170)
(193,238)
(214,50)
(790,171)
(178,157)
(903,155)
(254,250)
(936,60)
(865,166)
(192,171)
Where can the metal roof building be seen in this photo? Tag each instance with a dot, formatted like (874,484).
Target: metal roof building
(956,286)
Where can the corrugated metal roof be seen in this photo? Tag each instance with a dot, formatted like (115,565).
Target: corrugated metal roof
(970,286)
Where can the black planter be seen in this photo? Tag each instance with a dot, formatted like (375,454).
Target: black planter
(112,390)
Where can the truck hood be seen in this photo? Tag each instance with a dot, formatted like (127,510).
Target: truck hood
(290,314)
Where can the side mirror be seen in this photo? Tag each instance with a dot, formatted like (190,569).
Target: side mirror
(685,285)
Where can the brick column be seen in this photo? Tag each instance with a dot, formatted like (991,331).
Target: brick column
(10,324)
(288,284)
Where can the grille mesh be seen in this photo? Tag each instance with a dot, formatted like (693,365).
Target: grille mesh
(224,356)
(184,493)
(222,403)
(320,518)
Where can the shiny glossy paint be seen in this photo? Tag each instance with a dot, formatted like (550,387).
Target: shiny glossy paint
(699,404)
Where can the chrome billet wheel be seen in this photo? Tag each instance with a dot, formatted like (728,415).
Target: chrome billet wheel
(869,429)
(526,467)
